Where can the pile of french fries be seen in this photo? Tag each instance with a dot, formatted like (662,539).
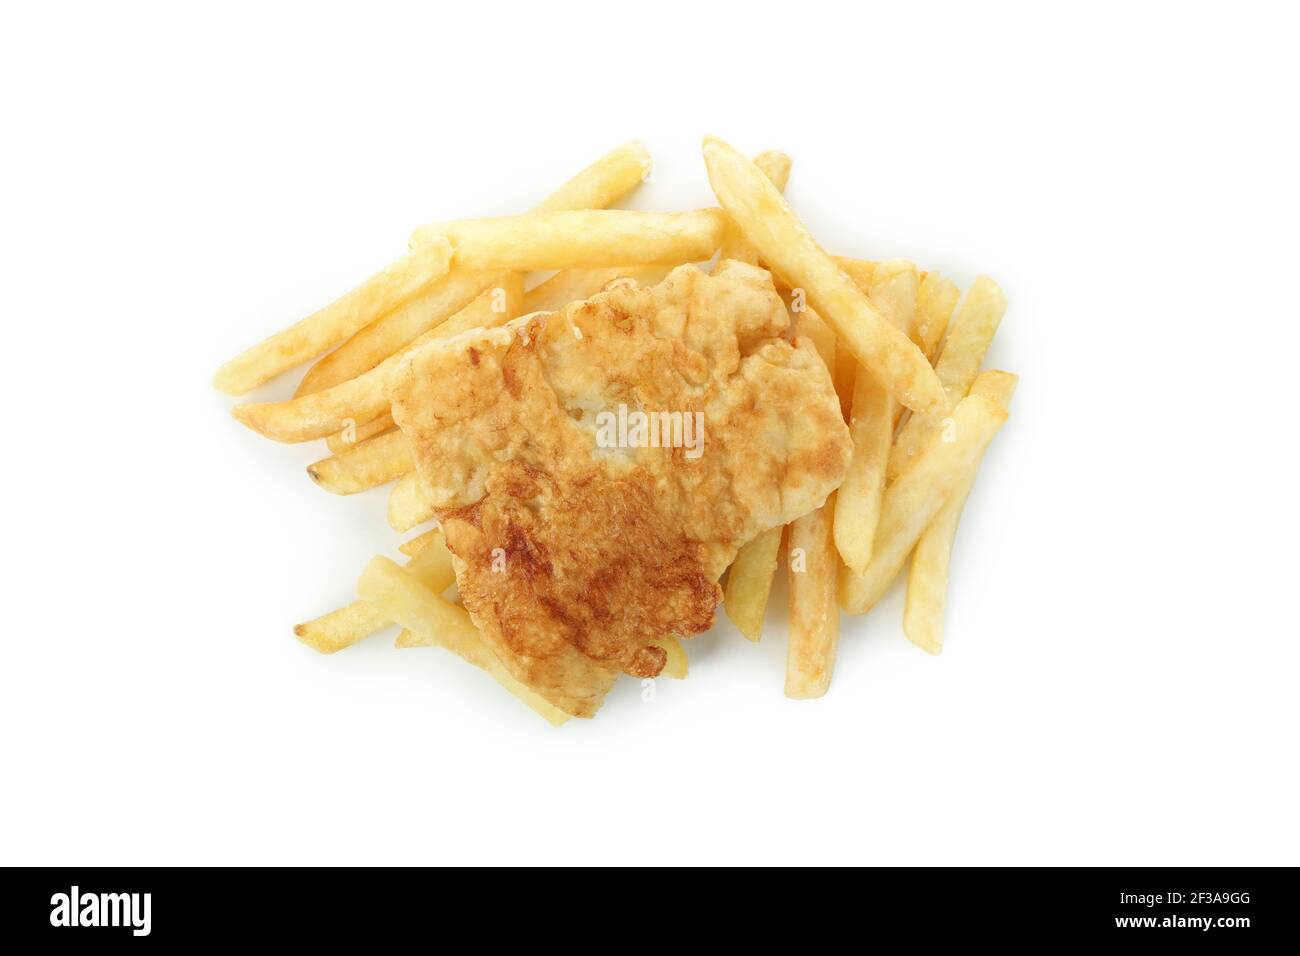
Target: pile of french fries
(904,358)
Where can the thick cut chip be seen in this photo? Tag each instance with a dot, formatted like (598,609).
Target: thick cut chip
(857,507)
(322,330)
(814,615)
(595,469)
(776,167)
(927,579)
(373,462)
(749,583)
(935,300)
(408,504)
(784,243)
(579,239)
(915,498)
(959,361)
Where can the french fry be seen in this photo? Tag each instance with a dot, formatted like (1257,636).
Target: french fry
(935,300)
(858,504)
(570,285)
(845,376)
(776,167)
(322,330)
(421,541)
(913,500)
(369,464)
(846,366)
(927,579)
(767,221)
(332,632)
(605,181)
(398,328)
(600,184)
(578,239)
(871,424)
(677,664)
(749,582)
(861,271)
(323,413)
(408,505)
(814,615)
(494,307)
(431,565)
(418,609)
(963,351)
(809,325)
(342,628)
(366,396)
(355,434)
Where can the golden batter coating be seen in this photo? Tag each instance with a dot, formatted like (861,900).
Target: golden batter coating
(571,555)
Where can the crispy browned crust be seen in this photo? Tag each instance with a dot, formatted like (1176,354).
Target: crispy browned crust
(573,558)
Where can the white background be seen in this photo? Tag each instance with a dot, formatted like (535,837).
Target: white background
(1119,681)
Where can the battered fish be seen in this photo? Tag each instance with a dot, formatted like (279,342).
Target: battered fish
(578,536)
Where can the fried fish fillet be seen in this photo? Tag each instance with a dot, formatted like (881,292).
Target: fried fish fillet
(576,540)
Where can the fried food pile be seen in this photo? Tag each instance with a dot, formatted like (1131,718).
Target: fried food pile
(605,415)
